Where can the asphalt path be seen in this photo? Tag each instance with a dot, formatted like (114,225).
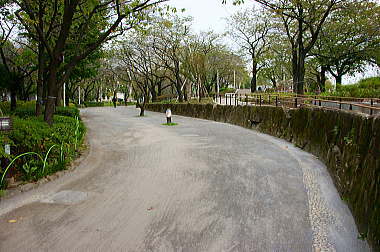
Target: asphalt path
(197,186)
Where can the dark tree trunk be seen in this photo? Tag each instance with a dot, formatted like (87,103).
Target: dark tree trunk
(254,77)
(159,88)
(97,94)
(322,79)
(301,74)
(294,70)
(141,106)
(41,63)
(51,93)
(154,94)
(338,81)
(58,101)
(274,82)
(13,97)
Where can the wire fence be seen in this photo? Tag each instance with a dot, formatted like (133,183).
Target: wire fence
(369,106)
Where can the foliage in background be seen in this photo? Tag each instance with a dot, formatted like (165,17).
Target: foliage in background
(366,88)
(50,147)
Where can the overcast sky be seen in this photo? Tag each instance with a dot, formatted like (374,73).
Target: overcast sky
(208,14)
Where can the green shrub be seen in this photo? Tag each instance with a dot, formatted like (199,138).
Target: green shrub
(67,111)
(366,88)
(224,91)
(28,109)
(35,135)
(94,104)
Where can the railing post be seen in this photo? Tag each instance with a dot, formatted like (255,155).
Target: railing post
(371,102)
(269,99)
(340,103)
(350,106)
(220,99)
(246,100)
(295,103)
(260,99)
(320,103)
(230,99)
(276,101)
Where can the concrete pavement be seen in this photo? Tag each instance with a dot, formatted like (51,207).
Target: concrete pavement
(198,186)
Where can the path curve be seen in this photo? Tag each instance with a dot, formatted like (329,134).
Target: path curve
(198,186)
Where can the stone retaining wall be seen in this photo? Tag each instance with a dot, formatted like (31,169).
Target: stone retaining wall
(348,143)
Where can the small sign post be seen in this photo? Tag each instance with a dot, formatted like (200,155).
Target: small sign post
(6,125)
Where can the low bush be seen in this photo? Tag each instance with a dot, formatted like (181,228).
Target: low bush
(366,88)
(28,109)
(224,91)
(94,104)
(58,143)
(67,111)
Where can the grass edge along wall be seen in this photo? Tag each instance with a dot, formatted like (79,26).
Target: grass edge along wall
(348,143)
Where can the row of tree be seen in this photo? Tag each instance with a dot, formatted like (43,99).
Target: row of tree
(63,39)
(166,59)
(303,40)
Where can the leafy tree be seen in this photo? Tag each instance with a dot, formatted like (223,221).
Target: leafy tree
(250,30)
(349,39)
(54,24)
(302,21)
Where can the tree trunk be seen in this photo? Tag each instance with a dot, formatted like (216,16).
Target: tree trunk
(58,101)
(322,84)
(254,77)
(301,74)
(338,81)
(154,94)
(274,82)
(294,70)
(141,106)
(13,97)
(51,93)
(159,86)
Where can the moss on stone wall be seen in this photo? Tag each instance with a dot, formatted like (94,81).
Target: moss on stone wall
(348,143)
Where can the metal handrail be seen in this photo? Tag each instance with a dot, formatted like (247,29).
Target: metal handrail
(295,101)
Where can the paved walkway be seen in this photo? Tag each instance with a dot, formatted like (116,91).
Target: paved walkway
(198,186)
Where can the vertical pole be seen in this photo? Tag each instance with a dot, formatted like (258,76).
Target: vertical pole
(340,103)
(260,99)
(79,95)
(230,99)
(246,100)
(64,94)
(217,82)
(101,93)
(64,86)
(276,101)
(234,79)
(220,99)
(269,99)
(371,102)
(295,103)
